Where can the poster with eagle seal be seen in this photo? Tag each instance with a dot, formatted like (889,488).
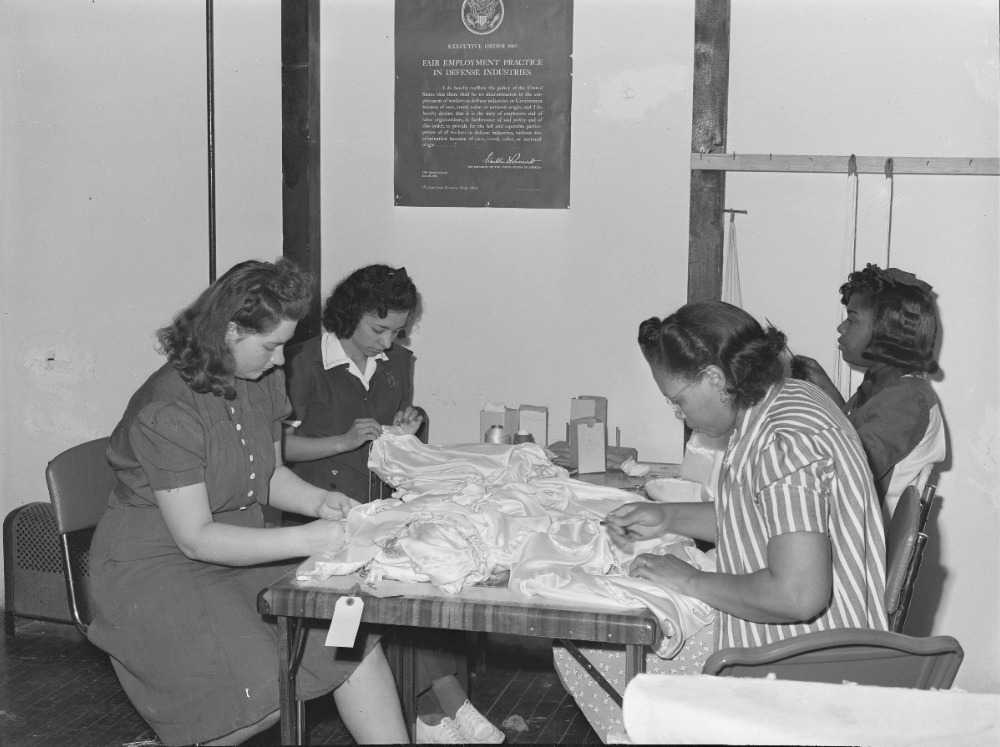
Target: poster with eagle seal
(483,93)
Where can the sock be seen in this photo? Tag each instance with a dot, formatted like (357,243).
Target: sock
(449,693)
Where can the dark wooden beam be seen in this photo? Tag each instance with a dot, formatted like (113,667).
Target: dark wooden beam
(300,141)
(709,115)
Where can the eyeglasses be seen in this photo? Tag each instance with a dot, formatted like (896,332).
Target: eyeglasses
(672,401)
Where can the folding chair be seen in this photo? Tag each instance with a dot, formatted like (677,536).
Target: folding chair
(858,655)
(80,480)
(905,543)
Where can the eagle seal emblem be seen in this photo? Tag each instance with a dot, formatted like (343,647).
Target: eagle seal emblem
(482,16)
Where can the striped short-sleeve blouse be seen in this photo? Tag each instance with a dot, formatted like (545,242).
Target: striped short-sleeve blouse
(795,464)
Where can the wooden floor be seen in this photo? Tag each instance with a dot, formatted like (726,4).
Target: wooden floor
(58,689)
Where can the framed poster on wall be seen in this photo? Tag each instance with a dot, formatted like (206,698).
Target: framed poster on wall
(483,93)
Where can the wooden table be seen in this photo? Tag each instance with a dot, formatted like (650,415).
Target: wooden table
(615,478)
(483,609)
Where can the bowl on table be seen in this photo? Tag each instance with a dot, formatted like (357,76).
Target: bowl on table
(673,489)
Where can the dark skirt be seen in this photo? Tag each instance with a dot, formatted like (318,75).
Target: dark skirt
(191,650)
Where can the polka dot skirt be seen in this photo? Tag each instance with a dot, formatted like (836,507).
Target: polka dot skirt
(603,713)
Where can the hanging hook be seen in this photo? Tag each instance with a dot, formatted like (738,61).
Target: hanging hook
(852,165)
(892,199)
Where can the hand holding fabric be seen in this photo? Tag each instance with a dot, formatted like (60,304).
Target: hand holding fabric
(408,421)
(323,536)
(636,521)
(667,571)
(335,506)
(362,431)
(809,369)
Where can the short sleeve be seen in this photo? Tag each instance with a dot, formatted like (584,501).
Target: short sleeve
(794,481)
(168,440)
(892,422)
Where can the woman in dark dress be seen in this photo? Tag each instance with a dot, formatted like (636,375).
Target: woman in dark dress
(345,385)
(352,379)
(182,551)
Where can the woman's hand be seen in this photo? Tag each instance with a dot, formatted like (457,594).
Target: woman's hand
(362,431)
(809,369)
(322,536)
(409,420)
(335,506)
(636,521)
(667,571)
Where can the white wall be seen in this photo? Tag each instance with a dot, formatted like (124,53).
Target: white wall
(103,199)
(103,228)
(880,79)
(535,306)
(528,306)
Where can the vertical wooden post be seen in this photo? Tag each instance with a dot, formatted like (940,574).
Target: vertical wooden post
(710,112)
(300,146)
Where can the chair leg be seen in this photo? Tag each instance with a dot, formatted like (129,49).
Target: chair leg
(9,623)
(475,654)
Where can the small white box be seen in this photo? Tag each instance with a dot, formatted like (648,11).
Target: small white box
(535,420)
(588,439)
(589,406)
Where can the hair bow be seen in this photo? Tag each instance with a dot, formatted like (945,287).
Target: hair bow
(901,277)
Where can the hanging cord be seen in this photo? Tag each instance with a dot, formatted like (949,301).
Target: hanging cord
(210,75)
(843,372)
(888,230)
(852,196)
(732,289)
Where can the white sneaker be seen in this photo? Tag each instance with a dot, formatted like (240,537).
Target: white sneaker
(443,732)
(475,727)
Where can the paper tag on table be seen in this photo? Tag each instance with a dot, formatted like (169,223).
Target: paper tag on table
(345,622)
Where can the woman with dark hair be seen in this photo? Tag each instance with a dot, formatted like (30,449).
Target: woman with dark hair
(353,379)
(890,333)
(345,385)
(796,523)
(182,550)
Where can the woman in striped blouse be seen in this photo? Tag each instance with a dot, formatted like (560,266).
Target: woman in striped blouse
(796,520)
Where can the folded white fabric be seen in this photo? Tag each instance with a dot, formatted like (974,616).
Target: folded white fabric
(460,513)
(704,709)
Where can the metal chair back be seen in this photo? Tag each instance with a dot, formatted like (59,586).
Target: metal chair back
(858,655)
(80,480)
(905,543)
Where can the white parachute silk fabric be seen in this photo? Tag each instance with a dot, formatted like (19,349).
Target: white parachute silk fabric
(462,514)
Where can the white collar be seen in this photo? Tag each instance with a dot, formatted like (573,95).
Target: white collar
(334,355)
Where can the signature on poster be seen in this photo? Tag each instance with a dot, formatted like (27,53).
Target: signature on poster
(513,159)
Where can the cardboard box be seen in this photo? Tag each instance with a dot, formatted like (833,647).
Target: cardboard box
(535,420)
(506,417)
(587,439)
(589,406)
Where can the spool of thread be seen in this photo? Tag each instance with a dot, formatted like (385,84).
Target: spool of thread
(494,435)
(523,437)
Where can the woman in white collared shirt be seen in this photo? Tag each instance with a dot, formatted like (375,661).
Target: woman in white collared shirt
(345,385)
(352,379)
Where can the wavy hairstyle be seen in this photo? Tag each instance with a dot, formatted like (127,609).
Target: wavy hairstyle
(375,289)
(256,296)
(714,333)
(905,313)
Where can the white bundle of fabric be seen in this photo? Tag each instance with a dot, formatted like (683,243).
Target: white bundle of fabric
(461,514)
